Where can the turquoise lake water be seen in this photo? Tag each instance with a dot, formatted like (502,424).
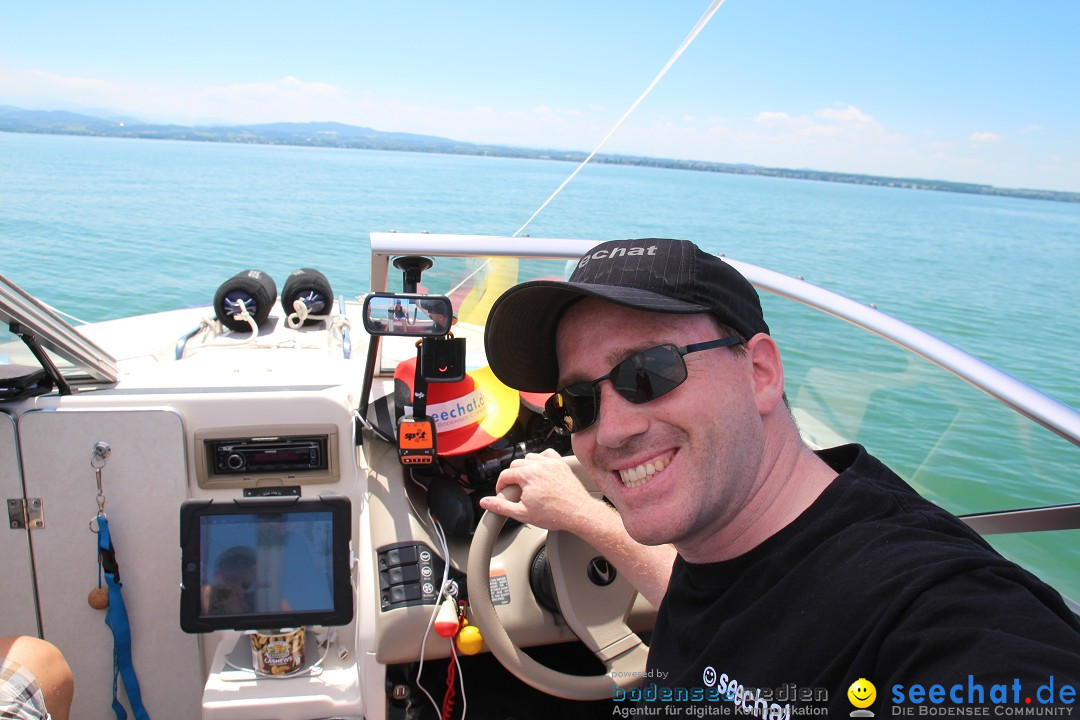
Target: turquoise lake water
(106,227)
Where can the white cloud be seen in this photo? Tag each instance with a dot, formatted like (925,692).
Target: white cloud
(71,84)
(850,114)
(848,125)
(766,116)
(37,89)
(288,99)
(554,115)
(812,130)
(984,137)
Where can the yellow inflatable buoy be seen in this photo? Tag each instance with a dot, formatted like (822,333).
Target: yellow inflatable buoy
(469,640)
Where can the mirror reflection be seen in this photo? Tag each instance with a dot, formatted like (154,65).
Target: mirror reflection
(401,314)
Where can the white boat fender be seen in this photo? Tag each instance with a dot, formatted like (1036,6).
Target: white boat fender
(252,291)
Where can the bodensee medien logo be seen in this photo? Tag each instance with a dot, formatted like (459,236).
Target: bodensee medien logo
(721,696)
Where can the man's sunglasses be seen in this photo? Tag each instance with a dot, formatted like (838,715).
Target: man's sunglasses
(639,378)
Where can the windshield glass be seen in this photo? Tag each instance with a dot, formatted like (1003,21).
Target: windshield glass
(953,443)
(473,284)
(14,352)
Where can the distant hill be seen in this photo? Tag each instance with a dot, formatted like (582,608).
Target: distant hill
(340,135)
(328,134)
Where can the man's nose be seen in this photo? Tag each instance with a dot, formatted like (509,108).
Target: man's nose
(619,419)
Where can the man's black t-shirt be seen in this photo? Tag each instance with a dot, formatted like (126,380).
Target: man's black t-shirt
(871,582)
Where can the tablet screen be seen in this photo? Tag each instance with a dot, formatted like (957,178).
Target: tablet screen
(257,564)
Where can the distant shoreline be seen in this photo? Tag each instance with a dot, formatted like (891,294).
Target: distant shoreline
(338,135)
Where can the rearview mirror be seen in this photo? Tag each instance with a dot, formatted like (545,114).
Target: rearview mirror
(407,314)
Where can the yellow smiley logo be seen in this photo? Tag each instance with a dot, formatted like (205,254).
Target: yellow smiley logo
(862,693)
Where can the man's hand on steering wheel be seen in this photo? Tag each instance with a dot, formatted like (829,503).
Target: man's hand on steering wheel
(552,496)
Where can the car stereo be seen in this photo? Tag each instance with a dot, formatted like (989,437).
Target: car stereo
(266,456)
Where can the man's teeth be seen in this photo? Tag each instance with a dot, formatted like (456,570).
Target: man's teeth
(632,477)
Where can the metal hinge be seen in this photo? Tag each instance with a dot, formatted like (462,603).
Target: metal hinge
(26,513)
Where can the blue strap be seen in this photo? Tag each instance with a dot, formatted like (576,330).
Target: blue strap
(121,713)
(117,619)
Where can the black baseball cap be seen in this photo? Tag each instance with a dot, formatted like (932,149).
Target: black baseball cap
(652,274)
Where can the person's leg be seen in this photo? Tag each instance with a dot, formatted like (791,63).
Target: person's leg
(31,666)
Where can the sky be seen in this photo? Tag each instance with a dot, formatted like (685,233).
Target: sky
(973,91)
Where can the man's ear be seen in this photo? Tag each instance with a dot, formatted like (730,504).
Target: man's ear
(768,372)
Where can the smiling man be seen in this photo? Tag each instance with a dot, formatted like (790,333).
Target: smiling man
(771,563)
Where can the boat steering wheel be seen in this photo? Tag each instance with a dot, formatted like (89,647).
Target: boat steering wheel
(596,614)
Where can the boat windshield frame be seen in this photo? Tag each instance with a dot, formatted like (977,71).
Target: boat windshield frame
(86,362)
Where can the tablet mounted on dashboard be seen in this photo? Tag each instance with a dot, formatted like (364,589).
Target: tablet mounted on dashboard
(265,563)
